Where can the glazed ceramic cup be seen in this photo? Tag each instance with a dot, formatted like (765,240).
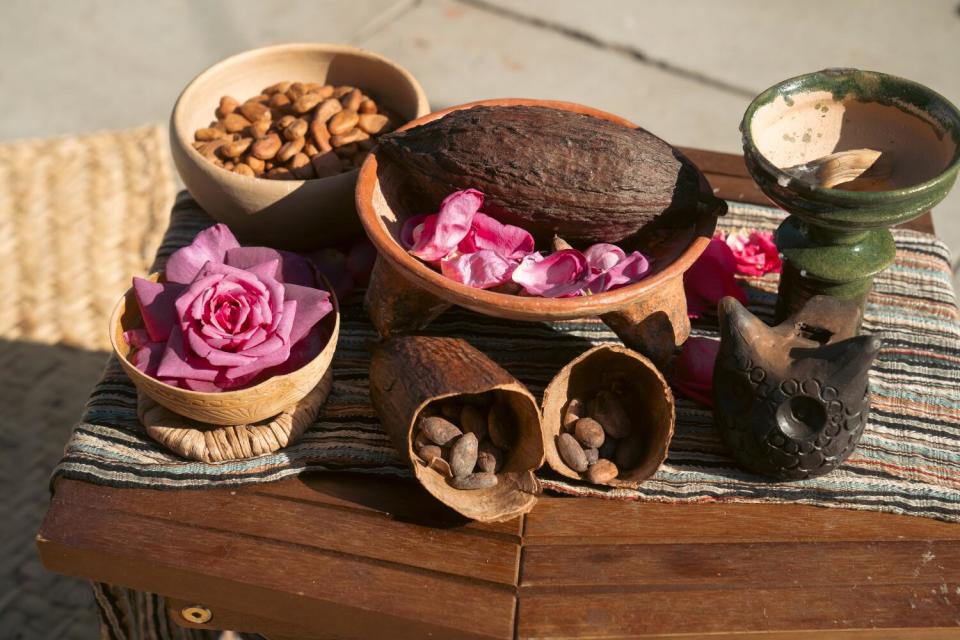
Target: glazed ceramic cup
(293,214)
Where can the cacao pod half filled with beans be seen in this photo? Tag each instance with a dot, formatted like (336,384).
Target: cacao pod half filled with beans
(555,171)
(469,429)
(608,418)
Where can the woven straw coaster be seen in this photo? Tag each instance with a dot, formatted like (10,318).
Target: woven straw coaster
(218,443)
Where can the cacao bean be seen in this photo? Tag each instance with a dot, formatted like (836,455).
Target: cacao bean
(342,122)
(254,111)
(296,90)
(234,122)
(258,129)
(629,451)
(207,134)
(354,135)
(571,452)
(290,149)
(307,102)
(367,105)
(489,450)
(310,150)
(439,430)
(592,455)
(228,165)
(584,178)
(500,426)
(300,166)
(280,173)
(589,433)
(318,129)
(574,411)
(279,102)
(441,466)
(428,452)
(266,147)
(285,121)
(474,481)
(326,164)
(607,409)
(339,92)
(296,129)
(326,91)
(372,123)
(602,472)
(473,419)
(210,149)
(279,87)
(463,455)
(244,170)
(254,163)
(236,148)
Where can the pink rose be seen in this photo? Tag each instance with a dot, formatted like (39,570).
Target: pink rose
(710,278)
(227,316)
(755,252)
(560,275)
(693,370)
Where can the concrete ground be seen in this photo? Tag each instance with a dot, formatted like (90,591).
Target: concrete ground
(685,69)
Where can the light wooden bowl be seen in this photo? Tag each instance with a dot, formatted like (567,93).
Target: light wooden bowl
(405,294)
(293,214)
(242,406)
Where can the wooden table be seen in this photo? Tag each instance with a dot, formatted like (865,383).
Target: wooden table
(349,556)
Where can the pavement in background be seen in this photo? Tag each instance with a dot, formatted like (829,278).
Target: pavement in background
(683,69)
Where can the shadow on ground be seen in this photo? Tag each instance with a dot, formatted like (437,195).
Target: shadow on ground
(42,392)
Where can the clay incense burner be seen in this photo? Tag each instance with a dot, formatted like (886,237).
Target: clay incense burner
(791,401)
(836,239)
(406,295)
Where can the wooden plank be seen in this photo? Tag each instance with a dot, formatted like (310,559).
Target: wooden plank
(619,613)
(354,597)
(477,555)
(738,566)
(398,499)
(242,622)
(559,520)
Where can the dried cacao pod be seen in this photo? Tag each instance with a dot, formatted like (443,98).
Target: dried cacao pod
(554,172)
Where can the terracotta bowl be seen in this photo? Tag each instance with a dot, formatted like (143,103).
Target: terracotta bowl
(243,406)
(382,204)
(295,214)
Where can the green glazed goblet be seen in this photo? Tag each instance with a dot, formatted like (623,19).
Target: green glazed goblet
(836,239)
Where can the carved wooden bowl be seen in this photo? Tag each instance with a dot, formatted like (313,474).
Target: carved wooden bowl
(242,406)
(406,294)
(293,214)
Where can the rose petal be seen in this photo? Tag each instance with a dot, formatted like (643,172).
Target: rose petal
(693,370)
(630,269)
(156,301)
(176,362)
(211,244)
(146,357)
(507,241)
(561,274)
(481,269)
(711,278)
(312,306)
(202,386)
(136,338)
(452,224)
(407,237)
(755,252)
(294,268)
(603,256)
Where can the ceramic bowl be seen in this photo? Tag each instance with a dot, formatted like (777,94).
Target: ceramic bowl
(381,205)
(242,406)
(294,214)
(804,118)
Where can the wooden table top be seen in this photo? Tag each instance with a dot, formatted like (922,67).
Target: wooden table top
(351,556)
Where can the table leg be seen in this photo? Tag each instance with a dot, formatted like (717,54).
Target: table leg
(396,306)
(655,325)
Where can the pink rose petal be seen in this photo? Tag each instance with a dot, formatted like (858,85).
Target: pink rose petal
(210,244)
(561,274)
(155,300)
(146,357)
(507,241)
(755,252)
(630,269)
(452,224)
(693,370)
(711,278)
(178,362)
(312,306)
(294,268)
(407,236)
(481,269)
(603,256)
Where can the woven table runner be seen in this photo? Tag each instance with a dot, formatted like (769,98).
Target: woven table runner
(908,460)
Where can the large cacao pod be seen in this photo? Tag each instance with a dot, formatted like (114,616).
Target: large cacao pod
(554,172)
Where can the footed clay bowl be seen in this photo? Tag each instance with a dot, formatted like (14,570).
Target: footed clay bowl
(242,406)
(405,294)
(292,214)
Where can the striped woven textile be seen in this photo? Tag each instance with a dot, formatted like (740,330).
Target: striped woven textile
(908,461)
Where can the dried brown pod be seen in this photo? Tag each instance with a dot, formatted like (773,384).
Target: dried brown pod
(449,368)
(648,402)
(553,171)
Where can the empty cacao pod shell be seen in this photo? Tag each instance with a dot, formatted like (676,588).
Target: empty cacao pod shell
(554,172)
(646,398)
(413,375)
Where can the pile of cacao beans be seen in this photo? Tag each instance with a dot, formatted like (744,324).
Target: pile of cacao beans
(597,438)
(466,440)
(294,131)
